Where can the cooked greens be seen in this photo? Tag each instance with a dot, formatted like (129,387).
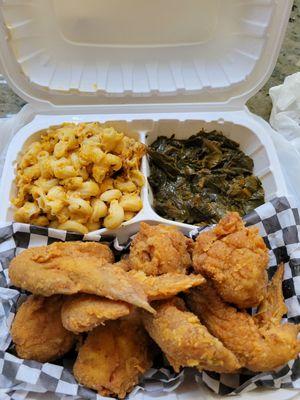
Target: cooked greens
(198,180)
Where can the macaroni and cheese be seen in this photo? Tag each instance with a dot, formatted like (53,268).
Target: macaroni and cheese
(79,177)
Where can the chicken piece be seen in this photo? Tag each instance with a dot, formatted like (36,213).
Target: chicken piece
(260,343)
(159,249)
(37,331)
(235,258)
(83,312)
(69,268)
(185,341)
(273,307)
(114,357)
(167,285)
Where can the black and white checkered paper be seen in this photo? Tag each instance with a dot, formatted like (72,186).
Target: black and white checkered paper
(279,225)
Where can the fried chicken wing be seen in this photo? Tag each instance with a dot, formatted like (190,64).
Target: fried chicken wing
(113,358)
(37,331)
(70,268)
(260,343)
(273,307)
(167,285)
(235,258)
(185,341)
(83,312)
(160,249)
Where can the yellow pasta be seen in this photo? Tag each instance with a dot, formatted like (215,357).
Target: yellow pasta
(53,207)
(110,139)
(26,212)
(128,215)
(31,173)
(137,177)
(113,161)
(115,216)
(131,202)
(106,184)
(99,210)
(125,186)
(79,177)
(109,195)
(56,192)
(79,206)
(88,189)
(93,226)
(74,226)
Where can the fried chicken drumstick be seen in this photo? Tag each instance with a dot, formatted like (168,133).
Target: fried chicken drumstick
(235,258)
(72,267)
(185,341)
(260,343)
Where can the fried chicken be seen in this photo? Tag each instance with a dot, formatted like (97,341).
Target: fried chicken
(185,341)
(83,312)
(160,249)
(167,285)
(114,357)
(260,343)
(235,258)
(37,331)
(70,268)
(273,307)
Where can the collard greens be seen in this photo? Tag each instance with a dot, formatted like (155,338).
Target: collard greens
(198,180)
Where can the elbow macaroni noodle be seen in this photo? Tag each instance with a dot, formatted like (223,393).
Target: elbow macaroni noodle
(79,177)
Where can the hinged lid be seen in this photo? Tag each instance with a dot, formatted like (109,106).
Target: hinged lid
(91,52)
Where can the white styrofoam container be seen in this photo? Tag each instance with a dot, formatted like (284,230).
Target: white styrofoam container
(246,132)
(148,68)
(82,54)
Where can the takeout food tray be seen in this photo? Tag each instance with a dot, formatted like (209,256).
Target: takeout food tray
(149,68)
(251,138)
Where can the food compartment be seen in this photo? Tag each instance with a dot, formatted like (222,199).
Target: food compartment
(31,133)
(253,143)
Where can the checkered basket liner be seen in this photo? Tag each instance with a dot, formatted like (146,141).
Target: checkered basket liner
(279,224)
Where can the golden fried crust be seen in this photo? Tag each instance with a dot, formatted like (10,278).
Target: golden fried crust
(273,307)
(167,285)
(113,358)
(64,268)
(235,258)
(37,331)
(185,341)
(258,347)
(83,312)
(160,249)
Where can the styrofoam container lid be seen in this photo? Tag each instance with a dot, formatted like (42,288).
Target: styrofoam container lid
(73,52)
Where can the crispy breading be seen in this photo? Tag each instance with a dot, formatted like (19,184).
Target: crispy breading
(83,312)
(70,268)
(185,341)
(159,249)
(37,331)
(260,343)
(114,357)
(235,258)
(273,307)
(167,285)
